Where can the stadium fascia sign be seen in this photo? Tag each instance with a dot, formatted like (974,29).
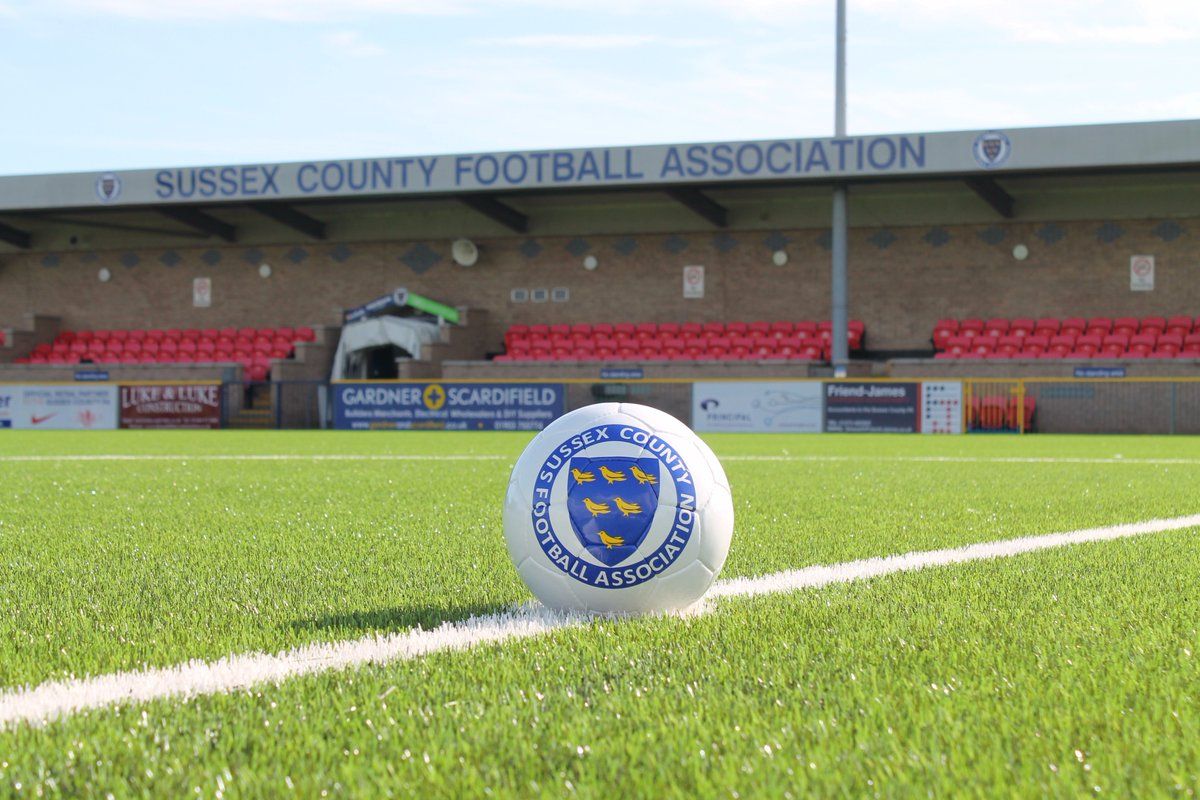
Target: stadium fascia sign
(917,154)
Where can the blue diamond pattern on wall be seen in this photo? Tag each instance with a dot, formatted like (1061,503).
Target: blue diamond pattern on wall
(825,240)
(578,247)
(90,258)
(625,245)
(993,235)
(776,241)
(1050,233)
(530,248)
(297,255)
(170,259)
(50,260)
(253,256)
(211,257)
(420,258)
(1168,230)
(937,236)
(724,242)
(675,244)
(1109,232)
(882,238)
(130,260)
(341,253)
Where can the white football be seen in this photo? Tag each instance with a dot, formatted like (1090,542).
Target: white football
(618,508)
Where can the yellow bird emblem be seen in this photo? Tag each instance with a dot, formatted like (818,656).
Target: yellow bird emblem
(610,541)
(628,508)
(643,477)
(612,476)
(594,507)
(582,477)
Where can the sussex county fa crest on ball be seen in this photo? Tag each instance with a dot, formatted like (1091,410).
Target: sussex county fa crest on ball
(618,508)
(991,149)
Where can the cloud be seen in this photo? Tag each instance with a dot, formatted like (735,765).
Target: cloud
(351,43)
(274,10)
(598,41)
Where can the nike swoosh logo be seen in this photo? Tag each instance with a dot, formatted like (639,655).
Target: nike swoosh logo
(36,420)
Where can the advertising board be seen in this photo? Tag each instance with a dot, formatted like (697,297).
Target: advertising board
(171,406)
(757,406)
(58,407)
(866,407)
(447,406)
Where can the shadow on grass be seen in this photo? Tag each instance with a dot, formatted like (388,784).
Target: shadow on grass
(391,620)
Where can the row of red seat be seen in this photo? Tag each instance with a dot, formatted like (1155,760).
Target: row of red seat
(675,341)
(717,348)
(253,348)
(1166,345)
(302,333)
(947,329)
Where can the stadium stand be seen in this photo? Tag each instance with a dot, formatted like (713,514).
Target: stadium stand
(1071,337)
(689,341)
(253,348)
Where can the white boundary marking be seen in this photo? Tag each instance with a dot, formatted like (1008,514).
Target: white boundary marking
(52,700)
(511,458)
(263,457)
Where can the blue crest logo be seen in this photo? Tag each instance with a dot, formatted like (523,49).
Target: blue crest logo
(991,149)
(108,187)
(612,502)
(613,506)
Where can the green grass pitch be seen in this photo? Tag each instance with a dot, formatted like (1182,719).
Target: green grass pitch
(1061,673)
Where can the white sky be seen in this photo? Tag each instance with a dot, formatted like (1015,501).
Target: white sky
(115,84)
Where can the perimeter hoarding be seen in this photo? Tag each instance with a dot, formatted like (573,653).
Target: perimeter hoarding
(866,407)
(447,406)
(58,407)
(171,406)
(757,407)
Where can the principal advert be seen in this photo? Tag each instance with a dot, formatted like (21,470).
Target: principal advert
(757,407)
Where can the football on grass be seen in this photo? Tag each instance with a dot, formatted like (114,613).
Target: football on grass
(618,507)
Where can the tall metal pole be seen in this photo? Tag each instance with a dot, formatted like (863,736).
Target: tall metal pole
(839,290)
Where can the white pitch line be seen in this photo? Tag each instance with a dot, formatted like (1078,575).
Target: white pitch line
(970,459)
(54,699)
(262,457)
(496,457)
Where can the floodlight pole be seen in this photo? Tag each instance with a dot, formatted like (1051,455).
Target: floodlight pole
(838,290)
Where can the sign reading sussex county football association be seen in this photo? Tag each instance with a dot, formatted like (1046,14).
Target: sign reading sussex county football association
(171,406)
(447,406)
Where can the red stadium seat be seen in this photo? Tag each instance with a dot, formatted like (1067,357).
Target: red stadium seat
(1142,343)
(668,329)
(1021,326)
(1153,325)
(305,334)
(1179,325)
(1125,326)
(1073,326)
(1046,326)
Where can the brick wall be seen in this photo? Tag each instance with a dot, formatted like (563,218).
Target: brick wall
(902,278)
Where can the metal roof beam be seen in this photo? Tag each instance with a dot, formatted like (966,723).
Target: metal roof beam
(994,195)
(701,204)
(292,218)
(15,236)
(496,211)
(205,223)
